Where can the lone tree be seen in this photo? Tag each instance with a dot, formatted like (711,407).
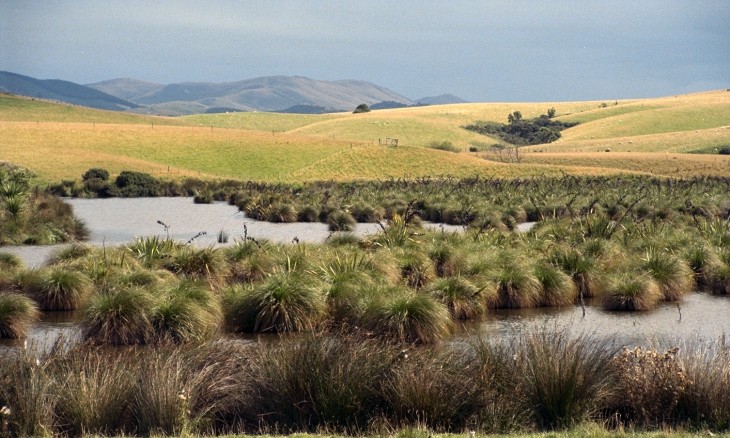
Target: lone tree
(362,108)
(515,117)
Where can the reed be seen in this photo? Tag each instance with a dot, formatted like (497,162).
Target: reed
(304,384)
(17,314)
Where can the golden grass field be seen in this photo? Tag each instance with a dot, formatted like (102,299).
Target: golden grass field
(651,136)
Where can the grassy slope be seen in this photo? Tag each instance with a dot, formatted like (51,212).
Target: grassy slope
(61,141)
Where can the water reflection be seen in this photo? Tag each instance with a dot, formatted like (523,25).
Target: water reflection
(701,317)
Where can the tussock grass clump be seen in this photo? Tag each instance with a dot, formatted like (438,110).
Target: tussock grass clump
(343,239)
(185,313)
(463,299)
(17,313)
(59,288)
(69,253)
(119,317)
(350,280)
(565,380)
(441,388)
(308,213)
(340,220)
(447,259)
(366,213)
(671,273)
(281,213)
(405,316)
(558,289)
(95,392)
(282,302)
(196,263)
(9,262)
(702,260)
(416,269)
(630,291)
(319,380)
(720,280)
(150,250)
(517,285)
(582,268)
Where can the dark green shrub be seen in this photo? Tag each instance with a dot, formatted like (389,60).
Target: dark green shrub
(137,184)
(96,173)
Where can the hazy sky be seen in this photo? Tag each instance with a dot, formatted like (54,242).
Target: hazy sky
(479,50)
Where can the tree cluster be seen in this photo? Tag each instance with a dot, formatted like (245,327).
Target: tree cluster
(521,132)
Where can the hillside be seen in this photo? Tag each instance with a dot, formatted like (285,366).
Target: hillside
(650,136)
(53,89)
(271,93)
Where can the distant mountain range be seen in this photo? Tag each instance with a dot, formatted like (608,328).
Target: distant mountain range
(294,94)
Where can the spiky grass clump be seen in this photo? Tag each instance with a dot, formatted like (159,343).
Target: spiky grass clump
(150,250)
(340,220)
(558,289)
(671,273)
(283,302)
(630,291)
(59,288)
(119,317)
(184,313)
(17,314)
(463,299)
(405,316)
(719,280)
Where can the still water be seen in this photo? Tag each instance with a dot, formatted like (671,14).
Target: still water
(700,317)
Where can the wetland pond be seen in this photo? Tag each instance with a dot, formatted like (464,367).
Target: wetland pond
(700,317)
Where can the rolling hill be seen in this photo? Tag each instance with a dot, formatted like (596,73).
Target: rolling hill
(648,136)
(54,89)
(270,93)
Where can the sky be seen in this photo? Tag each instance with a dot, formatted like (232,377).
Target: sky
(481,51)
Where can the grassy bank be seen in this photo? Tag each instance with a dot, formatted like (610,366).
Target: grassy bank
(353,384)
